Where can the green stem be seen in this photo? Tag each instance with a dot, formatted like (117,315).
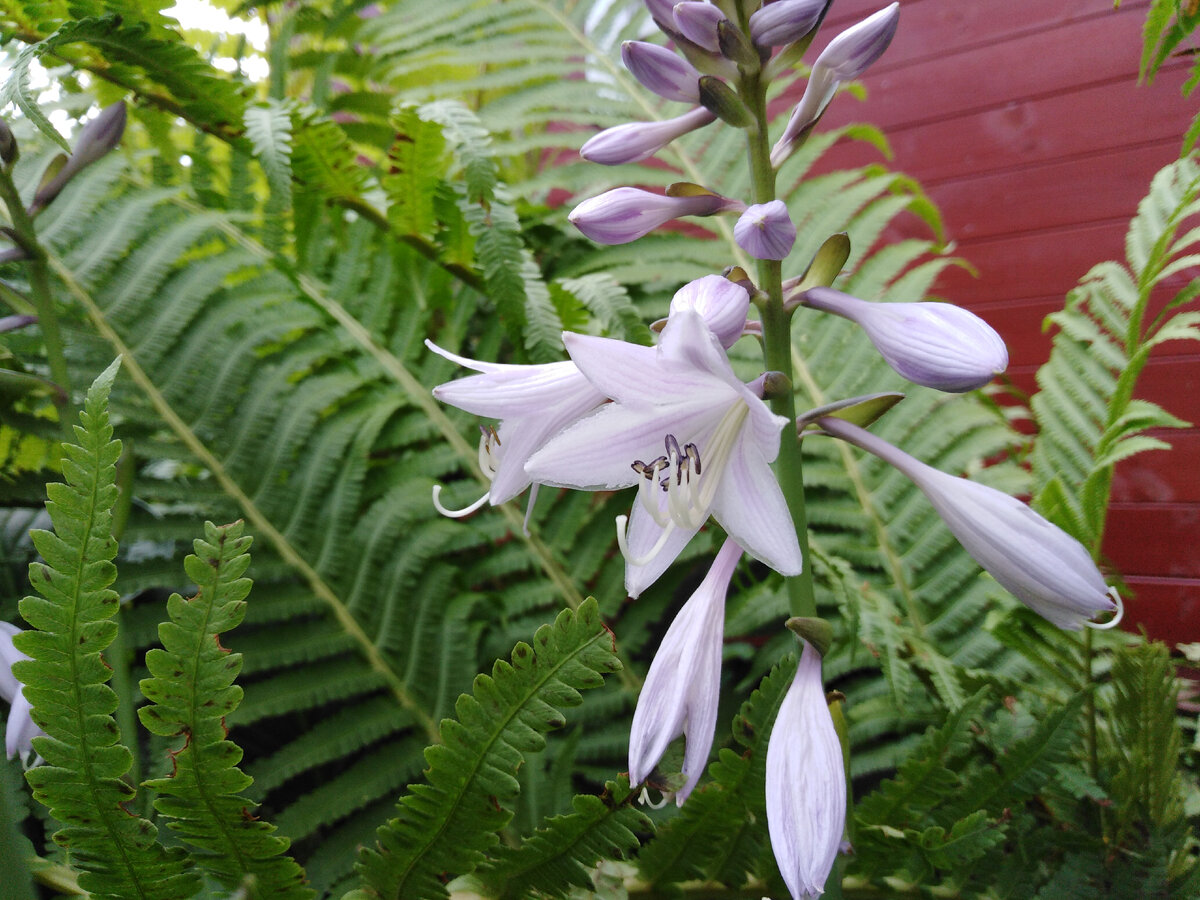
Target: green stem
(39,287)
(777,346)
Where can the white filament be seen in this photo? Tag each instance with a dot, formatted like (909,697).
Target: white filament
(457,513)
(1117,617)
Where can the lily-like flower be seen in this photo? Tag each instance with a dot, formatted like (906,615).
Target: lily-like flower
(847,57)
(21,730)
(784,21)
(98,137)
(636,141)
(1039,563)
(661,71)
(625,214)
(937,345)
(765,230)
(721,303)
(690,434)
(532,403)
(806,783)
(697,21)
(681,690)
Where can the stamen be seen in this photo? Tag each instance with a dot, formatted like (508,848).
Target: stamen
(1117,616)
(644,799)
(457,513)
(488,461)
(623,542)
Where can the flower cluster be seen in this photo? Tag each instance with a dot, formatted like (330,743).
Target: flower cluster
(698,442)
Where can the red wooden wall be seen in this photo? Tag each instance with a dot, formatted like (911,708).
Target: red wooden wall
(1024,121)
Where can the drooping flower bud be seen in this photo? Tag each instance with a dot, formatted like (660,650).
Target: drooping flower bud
(698,23)
(937,345)
(625,214)
(765,230)
(661,71)
(636,141)
(784,21)
(847,57)
(683,685)
(98,137)
(1039,563)
(721,303)
(806,783)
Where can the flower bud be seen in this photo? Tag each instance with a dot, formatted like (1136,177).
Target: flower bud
(937,345)
(784,21)
(806,782)
(721,304)
(698,23)
(8,144)
(625,214)
(661,71)
(636,141)
(765,231)
(98,137)
(661,13)
(736,46)
(847,56)
(1039,563)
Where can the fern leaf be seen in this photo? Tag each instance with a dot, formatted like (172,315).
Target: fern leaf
(416,164)
(557,857)
(190,691)
(447,823)
(269,128)
(66,677)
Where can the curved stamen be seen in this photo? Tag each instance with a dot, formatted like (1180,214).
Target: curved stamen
(644,799)
(1117,616)
(457,513)
(623,542)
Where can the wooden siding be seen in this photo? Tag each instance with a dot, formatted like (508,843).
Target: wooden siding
(1024,121)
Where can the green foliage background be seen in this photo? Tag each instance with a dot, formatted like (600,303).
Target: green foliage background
(400,177)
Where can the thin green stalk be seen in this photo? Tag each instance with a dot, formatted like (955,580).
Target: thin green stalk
(39,287)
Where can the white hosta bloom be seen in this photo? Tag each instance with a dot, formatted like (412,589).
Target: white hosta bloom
(533,403)
(806,783)
(690,434)
(1043,566)
(21,730)
(682,687)
(847,57)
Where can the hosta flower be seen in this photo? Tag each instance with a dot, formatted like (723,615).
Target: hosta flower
(721,303)
(532,403)
(1039,563)
(21,730)
(692,436)
(625,214)
(697,21)
(765,230)
(661,71)
(806,783)
(938,345)
(97,138)
(636,141)
(681,690)
(784,21)
(847,57)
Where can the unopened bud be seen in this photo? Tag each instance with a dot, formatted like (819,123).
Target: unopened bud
(661,71)
(98,138)
(626,214)
(720,302)
(785,21)
(765,231)
(698,23)
(8,144)
(638,140)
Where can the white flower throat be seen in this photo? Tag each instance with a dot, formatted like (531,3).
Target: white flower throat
(689,481)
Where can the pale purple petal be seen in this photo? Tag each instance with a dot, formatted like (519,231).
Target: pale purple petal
(9,655)
(636,141)
(806,783)
(642,535)
(626,372)
(722,304)
(751,508)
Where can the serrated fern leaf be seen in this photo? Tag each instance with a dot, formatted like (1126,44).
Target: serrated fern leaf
(557,857)
(447,823)
(66,678)
(269,128)
(190,691)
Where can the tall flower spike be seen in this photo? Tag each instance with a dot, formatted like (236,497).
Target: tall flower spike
(721,303)
(635,141)
(661,71)
(847,57)
(21,730)
(690,434)
(682,687)
(1039,563)
(937,345)
(765,230)
(533,404)
(806,783)
(625,214)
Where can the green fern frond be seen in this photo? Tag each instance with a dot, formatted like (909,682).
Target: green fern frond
(446,824)
(269,129)
(191,690)
(66,677)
